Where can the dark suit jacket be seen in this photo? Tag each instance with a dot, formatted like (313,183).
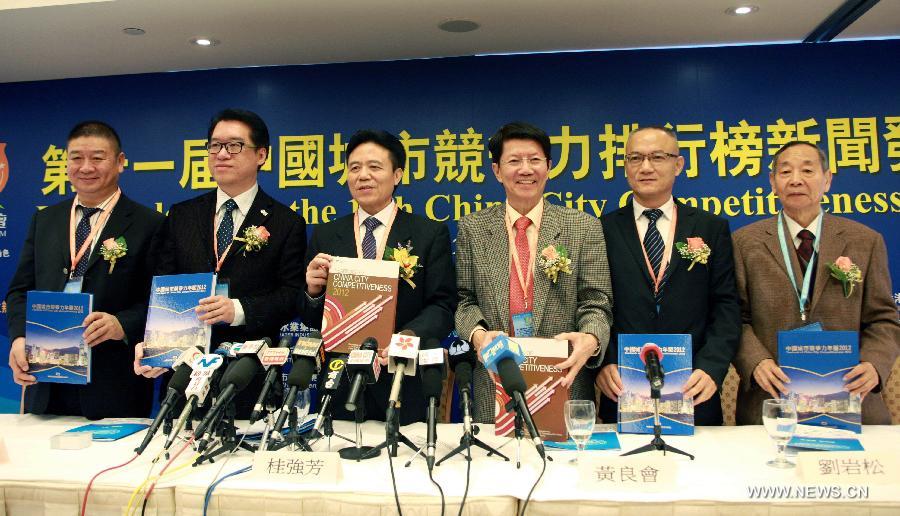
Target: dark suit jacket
(427,309)
(769,305)
(266,282)
(114,391)
(702,302)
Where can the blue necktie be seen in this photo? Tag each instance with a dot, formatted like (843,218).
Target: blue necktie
(225,233)
(368,243)
(653,243)
(82,232)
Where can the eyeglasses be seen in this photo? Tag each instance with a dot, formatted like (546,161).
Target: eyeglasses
(518,162)
(230,147)
(656,158)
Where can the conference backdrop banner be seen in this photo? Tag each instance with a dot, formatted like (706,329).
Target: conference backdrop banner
(732,107)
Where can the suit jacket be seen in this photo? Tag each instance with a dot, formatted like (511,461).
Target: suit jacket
(427,309)
(114,391)
(769,304)
(266,282)
(702,302)
(581,301)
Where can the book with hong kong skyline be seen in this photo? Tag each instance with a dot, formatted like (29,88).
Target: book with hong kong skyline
(54,346)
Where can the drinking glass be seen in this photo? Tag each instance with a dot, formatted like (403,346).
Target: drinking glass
(780,419)
(580,417)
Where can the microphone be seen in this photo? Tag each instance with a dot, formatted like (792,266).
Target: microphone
(237,376)
(652,356)
(336,366)
(433,369)
(365,370)
(403,353)
(462,362)
(207,369)
(504,356)
(307,361)
(174,391)
(272,359)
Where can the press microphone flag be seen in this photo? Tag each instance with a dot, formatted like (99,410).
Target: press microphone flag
(500,349)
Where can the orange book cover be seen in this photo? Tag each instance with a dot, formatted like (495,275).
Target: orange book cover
(545,396)
(360,302)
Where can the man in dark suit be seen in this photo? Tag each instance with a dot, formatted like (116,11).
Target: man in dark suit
(375,161)
(770,295)
(201,235)
(653,288)
(98,212)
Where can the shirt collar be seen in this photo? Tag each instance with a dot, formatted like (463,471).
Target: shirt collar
(244,200)
(794,227)
(666,208)
(535,215)
(101,206)
(383,216)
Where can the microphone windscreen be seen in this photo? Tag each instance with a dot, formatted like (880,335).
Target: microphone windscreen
(511,376)
(370,344)
(181,378)
(241,372)
(432,383)
(650,348)
(301,374)
(464,373)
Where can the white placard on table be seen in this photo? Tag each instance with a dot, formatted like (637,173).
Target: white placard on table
(646,472)
(862,468)
(298,467)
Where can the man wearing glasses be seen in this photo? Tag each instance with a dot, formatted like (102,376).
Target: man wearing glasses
(63,253)
(257,287)
(503,288)
(656,289)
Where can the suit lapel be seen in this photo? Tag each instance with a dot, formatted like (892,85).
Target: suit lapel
(548,235)
(206,218)
(774,247)
(61,226)
(496,252)
(831,246)
(400,231)
(119,221)
(629,235)
(259,212)
(684,228)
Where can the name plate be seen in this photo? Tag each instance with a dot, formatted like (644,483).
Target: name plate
(849,468)
(298,467)
(638,473)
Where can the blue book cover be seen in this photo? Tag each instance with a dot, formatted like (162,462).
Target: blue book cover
(110,431)
(816,362)
(825,444)
(54,346)
(676,412)
(598,441)
(172,323)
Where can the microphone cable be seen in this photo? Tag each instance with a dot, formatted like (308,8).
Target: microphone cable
(468,476)
(393,482)
(163,471)
(439,490)
(212,487)
(528,498)
(87,491)
(216,480)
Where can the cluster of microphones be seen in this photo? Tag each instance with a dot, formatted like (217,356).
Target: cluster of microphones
(207,384)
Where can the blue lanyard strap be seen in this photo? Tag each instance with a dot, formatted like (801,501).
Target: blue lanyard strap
(801,293)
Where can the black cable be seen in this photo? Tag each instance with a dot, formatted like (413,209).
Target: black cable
(394,482)
(468,471)
(543,469)
(144,507)
(439,491)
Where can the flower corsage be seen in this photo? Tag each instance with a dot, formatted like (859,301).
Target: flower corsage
(254,238)
(555,259)
(112,249)
(694,250)
(409,263)
(847,272)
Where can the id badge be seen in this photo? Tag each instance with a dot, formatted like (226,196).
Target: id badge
(73,286)
(222,288)
(523,324)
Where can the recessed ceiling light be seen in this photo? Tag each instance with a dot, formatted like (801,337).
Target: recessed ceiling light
(458,26)
(741,10)
(205,42)
(134,31)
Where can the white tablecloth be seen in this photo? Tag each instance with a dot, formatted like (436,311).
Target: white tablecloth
(38,480)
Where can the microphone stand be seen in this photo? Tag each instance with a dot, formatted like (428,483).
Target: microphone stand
(358,452)
(393,436)
(328,428)
(227,431)
(293,437)
(657,443)
(468,437)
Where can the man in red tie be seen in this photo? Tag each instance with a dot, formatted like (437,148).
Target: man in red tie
(503,288)
(776,295)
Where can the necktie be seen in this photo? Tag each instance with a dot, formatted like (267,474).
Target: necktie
(82,232)
(369,246)
(225,233)
(653,242)
(520,301)
(805,249)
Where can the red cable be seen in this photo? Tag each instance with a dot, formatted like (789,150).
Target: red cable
(162,471)
(88,490)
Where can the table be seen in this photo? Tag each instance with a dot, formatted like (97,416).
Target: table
(38,480)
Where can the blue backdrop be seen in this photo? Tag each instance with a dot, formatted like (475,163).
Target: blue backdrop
(732,107)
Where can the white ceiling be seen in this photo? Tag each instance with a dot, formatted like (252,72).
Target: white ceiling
(81,38)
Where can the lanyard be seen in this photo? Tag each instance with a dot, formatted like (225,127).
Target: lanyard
(529,274)
(106,208)
(379,249)
(801,293)
(215,239)
(657,280)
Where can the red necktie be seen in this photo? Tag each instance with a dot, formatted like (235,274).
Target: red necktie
(520,301)
(805,249)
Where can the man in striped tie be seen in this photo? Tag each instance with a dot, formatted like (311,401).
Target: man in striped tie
(653,288)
